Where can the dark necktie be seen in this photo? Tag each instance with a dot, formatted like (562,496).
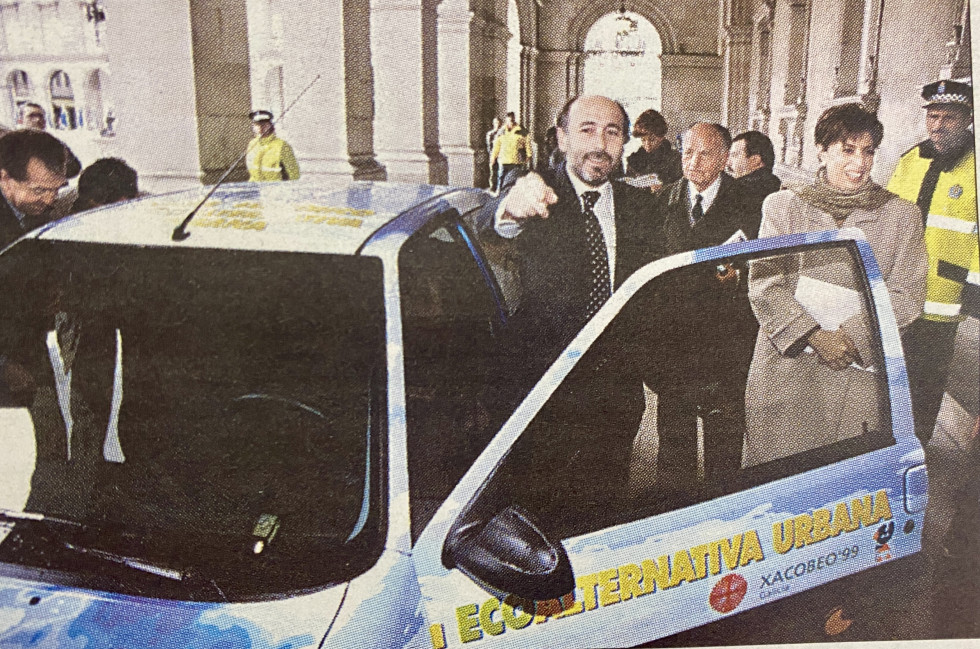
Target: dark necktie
(697,212)
(598,256)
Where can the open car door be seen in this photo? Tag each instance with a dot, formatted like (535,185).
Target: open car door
(561,534)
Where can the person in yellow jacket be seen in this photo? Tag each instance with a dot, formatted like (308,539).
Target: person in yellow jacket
(269,158)
(512,148)
(939,175)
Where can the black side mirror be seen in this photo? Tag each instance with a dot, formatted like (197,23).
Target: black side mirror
(510,554)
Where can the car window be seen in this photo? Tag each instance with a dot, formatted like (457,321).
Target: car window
(451,320)
(501,256)
(589,458)
(226,415)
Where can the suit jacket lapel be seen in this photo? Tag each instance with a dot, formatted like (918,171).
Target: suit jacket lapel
(624,218)
(678,230)
(718,222)
(10,227)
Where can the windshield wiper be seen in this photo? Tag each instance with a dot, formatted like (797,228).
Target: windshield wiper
(131,562)
(10,515)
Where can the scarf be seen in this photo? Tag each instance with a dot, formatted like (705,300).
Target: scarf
(839,204)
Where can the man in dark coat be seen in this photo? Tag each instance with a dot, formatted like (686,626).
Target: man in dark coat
(578,235)
(34,166)
(707,328)
(750,162)
(543,213)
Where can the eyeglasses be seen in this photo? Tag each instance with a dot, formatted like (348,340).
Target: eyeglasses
(44,192)
(39,191)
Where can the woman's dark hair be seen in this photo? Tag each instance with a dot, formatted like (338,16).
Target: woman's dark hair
(650,121)
(840,123)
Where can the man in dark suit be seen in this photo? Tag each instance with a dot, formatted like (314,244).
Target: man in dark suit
(34,166)
(750,162)
(707,328)
(545,213)
(578,235)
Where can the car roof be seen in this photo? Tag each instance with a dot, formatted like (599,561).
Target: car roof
(316,215)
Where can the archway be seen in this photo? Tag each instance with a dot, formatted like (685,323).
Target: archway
(622,61)
(63,112)
(20,92)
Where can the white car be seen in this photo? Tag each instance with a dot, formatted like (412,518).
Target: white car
(284,431)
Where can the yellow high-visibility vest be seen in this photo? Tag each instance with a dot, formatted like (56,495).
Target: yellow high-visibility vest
(512,147)
(951,225)
(270,158)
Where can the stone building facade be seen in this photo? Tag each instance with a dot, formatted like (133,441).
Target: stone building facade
(53,54)
(405,89)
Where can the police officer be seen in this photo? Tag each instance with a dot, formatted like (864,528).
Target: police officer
(939,176)
(269,157)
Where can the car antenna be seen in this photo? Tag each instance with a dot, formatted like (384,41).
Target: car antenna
(180,232)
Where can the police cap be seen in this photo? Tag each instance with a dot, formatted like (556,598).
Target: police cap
(260,116)
(946,92)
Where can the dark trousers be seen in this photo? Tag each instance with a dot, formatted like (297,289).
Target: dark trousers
(506,169)
(722,410)
(494,177)
(928,349)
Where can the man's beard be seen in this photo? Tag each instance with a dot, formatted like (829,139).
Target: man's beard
(594,179)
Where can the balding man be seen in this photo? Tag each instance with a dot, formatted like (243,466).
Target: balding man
(553,214)
(710,335)
(578,235)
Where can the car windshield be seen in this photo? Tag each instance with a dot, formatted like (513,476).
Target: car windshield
(206,422)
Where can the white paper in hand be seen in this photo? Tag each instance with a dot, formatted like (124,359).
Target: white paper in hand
(738,237)
(829,304)
(646,181)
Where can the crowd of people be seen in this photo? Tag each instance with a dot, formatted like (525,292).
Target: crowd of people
(586,218)
(581,222)
(35,170)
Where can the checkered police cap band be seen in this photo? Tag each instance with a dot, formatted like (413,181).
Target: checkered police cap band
(948,93)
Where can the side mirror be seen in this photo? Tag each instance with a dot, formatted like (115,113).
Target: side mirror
(510,554)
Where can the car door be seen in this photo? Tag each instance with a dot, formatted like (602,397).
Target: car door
(452,315)
(557,536)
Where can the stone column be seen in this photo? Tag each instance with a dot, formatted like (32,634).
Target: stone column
(219,33)
(553,86)
(330,126)
(456,115)
(576,73)
(737,77)
(404,53)
(691,90)
(529,65)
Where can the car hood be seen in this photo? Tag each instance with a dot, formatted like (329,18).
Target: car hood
(41,615)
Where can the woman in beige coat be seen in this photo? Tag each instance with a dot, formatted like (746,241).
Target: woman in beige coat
(811,385)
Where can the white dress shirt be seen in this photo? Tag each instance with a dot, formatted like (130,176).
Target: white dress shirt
(604,210)
(707,196)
